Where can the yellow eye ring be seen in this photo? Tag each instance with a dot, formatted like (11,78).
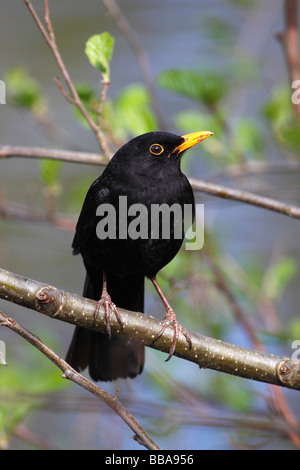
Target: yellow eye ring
(156,149)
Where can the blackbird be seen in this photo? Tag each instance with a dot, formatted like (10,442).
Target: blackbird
(146,173)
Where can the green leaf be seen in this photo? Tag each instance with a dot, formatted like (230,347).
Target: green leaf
(291,137)
(134,112)
(294,327)
(248,138)
(99,50)
(23,90)
(113,122)
(11,414)
(50,171)
(277,278)
(207,87)
(278,109)
(226,391)
(280,113)
(190,121)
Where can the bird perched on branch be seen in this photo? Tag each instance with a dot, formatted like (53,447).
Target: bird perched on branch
(120,250)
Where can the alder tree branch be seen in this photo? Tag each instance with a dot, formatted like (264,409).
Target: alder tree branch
(71,374)
(205,352)
(247,197)
(225,192)
(8,151)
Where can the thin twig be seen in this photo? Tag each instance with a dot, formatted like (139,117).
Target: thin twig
(63,91)
(71,374)
(246,197)
(214,189)
(105,86)
(74,98)
(7,151)
(290,42)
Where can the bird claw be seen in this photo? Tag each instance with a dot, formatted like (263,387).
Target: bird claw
(108,304)
(170,319)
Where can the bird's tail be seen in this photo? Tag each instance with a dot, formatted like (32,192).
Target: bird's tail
(118,357)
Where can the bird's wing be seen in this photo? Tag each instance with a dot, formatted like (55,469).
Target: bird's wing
(87,220)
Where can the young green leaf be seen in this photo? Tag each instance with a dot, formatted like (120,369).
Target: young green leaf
(50,171)
(99,50)
(24,91)
(278,276)
(134,110)
(279,112)
(248,138)
(207,87)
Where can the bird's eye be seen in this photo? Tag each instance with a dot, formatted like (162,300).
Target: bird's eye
(156,149)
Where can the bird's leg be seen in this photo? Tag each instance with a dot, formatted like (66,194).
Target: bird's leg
(108,304)
(169,319)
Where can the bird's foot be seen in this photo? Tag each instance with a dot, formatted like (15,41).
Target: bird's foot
(108,305)
(170,319)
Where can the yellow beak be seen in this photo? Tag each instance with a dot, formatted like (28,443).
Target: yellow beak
(192,139)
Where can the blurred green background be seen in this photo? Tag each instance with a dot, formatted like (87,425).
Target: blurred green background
(218,65)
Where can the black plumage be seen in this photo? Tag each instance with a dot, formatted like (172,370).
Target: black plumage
(145,171)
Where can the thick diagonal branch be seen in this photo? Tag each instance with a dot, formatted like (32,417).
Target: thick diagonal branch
(206,352)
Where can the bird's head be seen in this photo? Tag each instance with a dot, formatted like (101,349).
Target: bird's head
(156,150)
